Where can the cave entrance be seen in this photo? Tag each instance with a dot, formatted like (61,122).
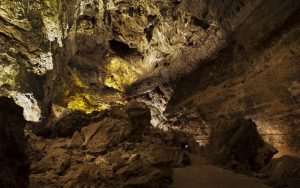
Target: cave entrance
(122,49)
(200,23)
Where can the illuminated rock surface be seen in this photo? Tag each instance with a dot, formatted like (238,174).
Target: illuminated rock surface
(120,149)
(72,63)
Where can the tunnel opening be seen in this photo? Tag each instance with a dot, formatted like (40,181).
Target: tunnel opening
(122,49)
(200,23)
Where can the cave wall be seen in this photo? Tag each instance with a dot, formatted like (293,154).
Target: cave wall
(74,53)
(256,76)
(30,33)
(224,57)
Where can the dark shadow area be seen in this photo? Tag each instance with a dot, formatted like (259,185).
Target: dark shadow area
(201,23)
(14,164)
(149,33)
(121,49)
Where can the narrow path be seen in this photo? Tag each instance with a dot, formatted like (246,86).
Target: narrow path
(201,175)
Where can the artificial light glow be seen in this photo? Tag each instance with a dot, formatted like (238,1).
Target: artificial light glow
(120,73)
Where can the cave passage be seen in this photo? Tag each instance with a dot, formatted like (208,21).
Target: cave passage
(150,94)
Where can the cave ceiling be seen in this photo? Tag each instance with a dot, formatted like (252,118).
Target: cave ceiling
(83,54)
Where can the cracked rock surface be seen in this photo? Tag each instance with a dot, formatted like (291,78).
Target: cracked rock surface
(74,65)
(121,150)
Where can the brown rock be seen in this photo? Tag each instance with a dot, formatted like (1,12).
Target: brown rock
(105,134)
(122,150)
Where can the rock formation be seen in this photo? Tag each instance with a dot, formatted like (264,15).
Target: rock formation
(282,172)
(255,76)
(73,66)
(119,150)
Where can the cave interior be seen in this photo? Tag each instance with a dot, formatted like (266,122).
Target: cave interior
(149,94)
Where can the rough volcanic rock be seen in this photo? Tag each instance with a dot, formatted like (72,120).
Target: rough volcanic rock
(82,54)
(191,124)
(63,122)
(31,31)
(237,145)
(226,58)
(119,150)
(282,172)
(255,76)
(105,134)
(14,163)
(155,92)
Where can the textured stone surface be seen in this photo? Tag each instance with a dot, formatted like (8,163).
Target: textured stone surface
(30,30)
(155,92)
(282,172)
(68,51)
(256,77)
(191,61)
(121,150)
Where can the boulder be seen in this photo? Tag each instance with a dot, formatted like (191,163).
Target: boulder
(105,134)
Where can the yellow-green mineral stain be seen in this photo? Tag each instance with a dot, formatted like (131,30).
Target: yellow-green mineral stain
(85,103)
(77,97)
(120,73)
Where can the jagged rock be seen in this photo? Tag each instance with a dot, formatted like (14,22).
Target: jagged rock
(105,134)
(240,79)
(49,44)
(64,122)
(14,163)
(282,172)
(138,113)
(120,150)
(155,92)
(30,33)
(204,57)
(237,145)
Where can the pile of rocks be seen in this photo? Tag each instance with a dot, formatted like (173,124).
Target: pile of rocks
(120,150)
